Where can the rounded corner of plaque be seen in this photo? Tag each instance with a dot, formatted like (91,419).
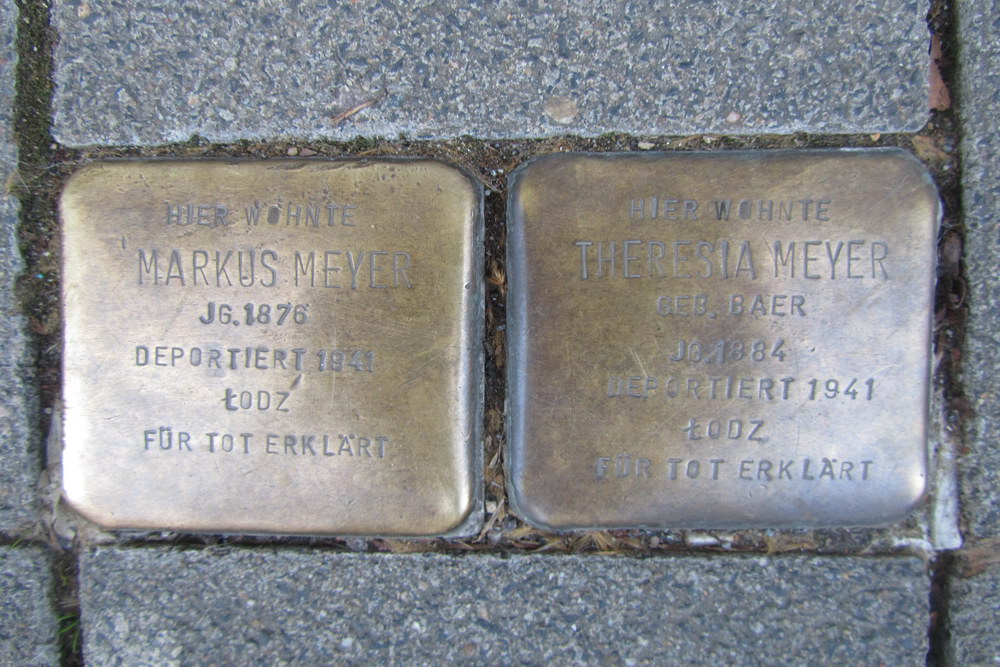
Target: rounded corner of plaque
(525,173)
(466,522)
(516,177)
(89,510)
(908,160)
(900,153)
(78,179)
(902,507)
(528,511)
(910,503)
(532,164)
(460,172)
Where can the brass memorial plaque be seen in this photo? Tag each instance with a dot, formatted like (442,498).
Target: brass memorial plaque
(280,346)
(719,339)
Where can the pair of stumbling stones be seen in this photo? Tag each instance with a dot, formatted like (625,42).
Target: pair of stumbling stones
(727,339)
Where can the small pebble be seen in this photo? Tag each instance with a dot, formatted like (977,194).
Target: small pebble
(561,109)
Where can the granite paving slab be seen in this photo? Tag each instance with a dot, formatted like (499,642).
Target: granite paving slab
(974,619)
(157,606)
(19,458)
(980,107)
(148,72)
(974,601)
(29,632)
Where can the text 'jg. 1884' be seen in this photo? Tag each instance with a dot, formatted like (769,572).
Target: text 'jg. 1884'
(287,346)
(720,339)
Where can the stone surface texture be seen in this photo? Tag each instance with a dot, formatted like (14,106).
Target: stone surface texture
(149,72)
(974,619)
(146,606)
(28,627)
(974,602)
(19,457)
(980,109)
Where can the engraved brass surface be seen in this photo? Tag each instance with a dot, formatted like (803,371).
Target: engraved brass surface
(287,346)
(719,339)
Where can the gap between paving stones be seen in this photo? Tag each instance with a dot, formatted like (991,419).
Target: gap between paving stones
(942,574)
(35,185)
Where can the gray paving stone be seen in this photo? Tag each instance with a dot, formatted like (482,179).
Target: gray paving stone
(19,458)
(974,619)
(979,110)
(974,602)
(29,633)
(153,606)
(147,72)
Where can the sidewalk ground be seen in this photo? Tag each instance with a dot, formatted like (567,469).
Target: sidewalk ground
(488,85)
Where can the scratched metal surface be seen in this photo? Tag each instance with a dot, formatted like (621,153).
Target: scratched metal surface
(719,340)
(281,346)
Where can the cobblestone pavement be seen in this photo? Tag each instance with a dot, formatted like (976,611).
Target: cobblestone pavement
(488,85)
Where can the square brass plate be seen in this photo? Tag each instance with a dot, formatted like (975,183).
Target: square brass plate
(719,339)
(287,346)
